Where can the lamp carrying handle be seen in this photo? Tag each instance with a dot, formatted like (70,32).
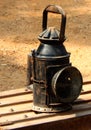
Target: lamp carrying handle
(58,10)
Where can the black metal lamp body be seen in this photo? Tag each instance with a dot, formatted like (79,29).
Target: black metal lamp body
(56,83)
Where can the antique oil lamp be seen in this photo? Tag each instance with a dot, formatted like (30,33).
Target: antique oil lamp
(56,83)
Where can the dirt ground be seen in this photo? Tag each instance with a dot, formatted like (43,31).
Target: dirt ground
(20,25)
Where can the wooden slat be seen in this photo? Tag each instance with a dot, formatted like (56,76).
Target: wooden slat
(15,100)
(44,118)
(16,110)
(86,87)
(15,92)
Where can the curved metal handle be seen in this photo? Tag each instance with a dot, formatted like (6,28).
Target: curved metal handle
(55,9)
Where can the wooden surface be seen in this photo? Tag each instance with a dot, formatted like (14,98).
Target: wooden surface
(16,113)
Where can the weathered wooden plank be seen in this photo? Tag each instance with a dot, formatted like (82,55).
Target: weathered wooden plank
(77,111)
(48,118)
(16,111)
(16,100)
(86,88)
(15,92)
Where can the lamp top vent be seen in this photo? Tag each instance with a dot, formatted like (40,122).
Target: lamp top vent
(50,34)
